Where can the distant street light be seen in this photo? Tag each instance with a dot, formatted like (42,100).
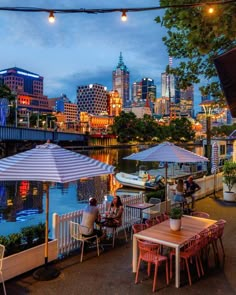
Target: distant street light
(207,106)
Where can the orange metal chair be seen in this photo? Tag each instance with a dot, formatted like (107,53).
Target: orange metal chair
(150,253)
(189,251)
(221,225)
(200,214)
(137,227)
(151,222)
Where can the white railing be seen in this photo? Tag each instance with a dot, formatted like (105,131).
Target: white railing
(61,223)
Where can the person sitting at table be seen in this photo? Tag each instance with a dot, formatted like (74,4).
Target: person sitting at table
(179,192)
(191,188)
(114,214)
(91,216)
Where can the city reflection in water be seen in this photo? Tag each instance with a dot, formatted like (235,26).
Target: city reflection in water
(22,202)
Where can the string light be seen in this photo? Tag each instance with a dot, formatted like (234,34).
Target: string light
(211,10)
(124,16)
(212,4)
(51,17)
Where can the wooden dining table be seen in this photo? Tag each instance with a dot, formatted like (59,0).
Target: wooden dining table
(163,235)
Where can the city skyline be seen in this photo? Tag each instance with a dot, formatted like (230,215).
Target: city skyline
(68,56)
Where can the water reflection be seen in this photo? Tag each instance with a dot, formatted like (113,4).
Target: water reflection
(22,202)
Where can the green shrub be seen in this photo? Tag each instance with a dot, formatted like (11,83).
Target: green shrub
(176,213)
(160,194)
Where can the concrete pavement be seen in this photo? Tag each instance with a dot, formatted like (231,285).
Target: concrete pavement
(111,272)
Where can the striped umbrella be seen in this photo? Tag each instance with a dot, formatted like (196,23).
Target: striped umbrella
(50,163)
(169,153)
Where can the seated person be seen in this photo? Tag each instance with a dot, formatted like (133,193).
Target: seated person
(191,188)
(90,216)
(179,192)
(114,214)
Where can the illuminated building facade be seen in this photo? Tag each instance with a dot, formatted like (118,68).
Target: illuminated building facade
(120,81)
(92,99)
(114,104)
(29,90)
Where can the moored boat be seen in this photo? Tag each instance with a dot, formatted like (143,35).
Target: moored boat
(140,182)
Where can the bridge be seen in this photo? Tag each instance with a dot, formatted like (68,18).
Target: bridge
(13,139)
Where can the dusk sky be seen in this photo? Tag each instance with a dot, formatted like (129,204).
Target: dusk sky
(80,49)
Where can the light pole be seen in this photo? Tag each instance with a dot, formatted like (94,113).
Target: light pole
(207,106)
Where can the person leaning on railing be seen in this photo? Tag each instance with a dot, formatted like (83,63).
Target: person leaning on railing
(191,188)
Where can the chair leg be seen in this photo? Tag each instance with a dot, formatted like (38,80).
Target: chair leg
(155,278)
(171,273)
(97,239)
(137,271)
(82,252)
(167,273)
(4,288)
(222,246)
(188,271)
(114,236)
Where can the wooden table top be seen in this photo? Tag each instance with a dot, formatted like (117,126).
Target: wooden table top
(140,205)
(162,232)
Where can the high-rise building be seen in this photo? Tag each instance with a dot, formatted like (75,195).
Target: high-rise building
(120,81)
(143,90)
(92,99)
(28,88)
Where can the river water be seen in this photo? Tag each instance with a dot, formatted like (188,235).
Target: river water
(23,203)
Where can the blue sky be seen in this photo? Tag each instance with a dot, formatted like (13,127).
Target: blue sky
(80,49)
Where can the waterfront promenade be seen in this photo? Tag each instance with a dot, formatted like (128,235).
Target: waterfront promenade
(111,273)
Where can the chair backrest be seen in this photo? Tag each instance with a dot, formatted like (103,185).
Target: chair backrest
(154,201)
(148,251)
(2,251)
(138,227)
(204,237)
(75,230)
(213,233)
(200,214)
(221,225)
(151,222)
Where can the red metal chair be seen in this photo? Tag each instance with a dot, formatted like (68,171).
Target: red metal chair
(189,251)
(137,227)
(200,214)
(221,225)
(150,253)
(151,222)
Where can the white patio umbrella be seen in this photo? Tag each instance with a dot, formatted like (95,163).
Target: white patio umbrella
(169,153)
(50,163)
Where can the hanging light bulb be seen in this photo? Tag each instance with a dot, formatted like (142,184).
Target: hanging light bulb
(124,16)
(211,10)
(51,17)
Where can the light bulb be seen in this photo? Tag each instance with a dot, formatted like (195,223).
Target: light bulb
(51,17)
(124,16)
(211,10)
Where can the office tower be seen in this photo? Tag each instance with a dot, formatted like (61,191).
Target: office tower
(92,99)
(120,81)
(148,89)
(187,101)
(136,92)
(28,88)
(169,87)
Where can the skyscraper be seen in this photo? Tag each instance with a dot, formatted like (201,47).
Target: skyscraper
(120,81)
(92,99)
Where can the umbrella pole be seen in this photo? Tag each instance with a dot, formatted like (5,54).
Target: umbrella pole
(46,226)
(46,273)
(166,175)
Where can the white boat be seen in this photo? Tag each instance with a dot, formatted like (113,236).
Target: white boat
(140,181)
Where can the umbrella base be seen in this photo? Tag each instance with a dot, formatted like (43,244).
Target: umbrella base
(46,273)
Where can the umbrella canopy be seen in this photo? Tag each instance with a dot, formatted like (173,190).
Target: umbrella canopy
(169,153)
(50,163)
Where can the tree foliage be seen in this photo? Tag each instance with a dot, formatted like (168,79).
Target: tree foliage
(195,37)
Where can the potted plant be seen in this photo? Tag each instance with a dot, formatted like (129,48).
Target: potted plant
(229,178)
(175,218)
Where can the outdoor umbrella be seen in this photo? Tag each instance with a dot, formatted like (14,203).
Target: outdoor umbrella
(169,153)
(50,163)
